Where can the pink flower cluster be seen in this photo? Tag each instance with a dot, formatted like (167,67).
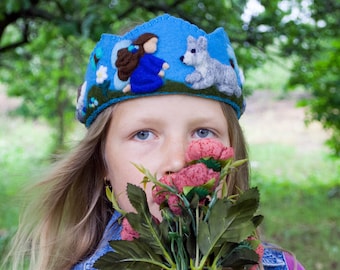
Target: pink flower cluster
(128,233)
(193,175)
(208,148)
(259,250)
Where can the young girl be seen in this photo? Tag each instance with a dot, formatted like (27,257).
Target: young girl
(70,223)
(138,64)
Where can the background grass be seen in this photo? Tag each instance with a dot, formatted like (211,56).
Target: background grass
(24,147)
(300,199)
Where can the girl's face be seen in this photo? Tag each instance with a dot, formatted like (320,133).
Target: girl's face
(154,132)
(151,45)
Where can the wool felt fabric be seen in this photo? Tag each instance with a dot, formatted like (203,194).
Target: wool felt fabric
(199,64)
(145,79)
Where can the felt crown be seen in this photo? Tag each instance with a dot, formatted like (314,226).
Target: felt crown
(164,56)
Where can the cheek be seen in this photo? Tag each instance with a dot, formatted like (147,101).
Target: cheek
(121,172)
(120,175)
(120,169)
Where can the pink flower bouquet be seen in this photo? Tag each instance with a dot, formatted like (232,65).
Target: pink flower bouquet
(202,228)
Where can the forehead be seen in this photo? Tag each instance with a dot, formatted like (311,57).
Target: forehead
(175,106)
(170,100)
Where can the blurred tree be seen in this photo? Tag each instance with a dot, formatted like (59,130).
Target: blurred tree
(314,42)
(44,45)
(45,74)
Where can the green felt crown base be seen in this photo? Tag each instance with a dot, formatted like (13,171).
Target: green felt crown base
(107,98)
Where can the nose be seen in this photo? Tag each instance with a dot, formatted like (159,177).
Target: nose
(181,58)
(173,156)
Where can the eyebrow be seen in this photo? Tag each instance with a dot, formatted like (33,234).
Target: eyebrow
(209,119)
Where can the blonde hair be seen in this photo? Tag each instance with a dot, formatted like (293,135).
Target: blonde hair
(67,216)
(239,179)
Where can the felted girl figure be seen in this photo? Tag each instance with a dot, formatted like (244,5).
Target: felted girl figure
(138,64)
(69,221)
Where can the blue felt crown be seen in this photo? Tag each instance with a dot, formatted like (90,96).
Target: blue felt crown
(186,61)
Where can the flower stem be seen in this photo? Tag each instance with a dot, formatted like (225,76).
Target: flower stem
(211,204)
(187,206)
(196,236)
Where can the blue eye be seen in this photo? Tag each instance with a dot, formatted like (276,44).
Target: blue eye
(143,135)
(204,133)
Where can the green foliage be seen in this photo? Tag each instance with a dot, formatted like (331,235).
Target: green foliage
(228,223)
(300,200)
(46,78)
(315,46)
(306,222)
(322,79)
(277,69)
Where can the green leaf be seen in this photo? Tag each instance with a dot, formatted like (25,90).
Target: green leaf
(209,184)
(148,177)
(228,222)
(257,220)
(211,163)
(238,163)
(112,198)
(137,198)
(143,222)
(135,254)
(130,255)
(200,191)
(240,256)
(204,238)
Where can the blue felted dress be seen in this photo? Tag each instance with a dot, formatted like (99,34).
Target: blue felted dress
(145,78)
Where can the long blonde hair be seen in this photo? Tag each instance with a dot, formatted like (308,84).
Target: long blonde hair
(65,221)
(239,179)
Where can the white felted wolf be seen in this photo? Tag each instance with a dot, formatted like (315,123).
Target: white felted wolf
(208,71)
